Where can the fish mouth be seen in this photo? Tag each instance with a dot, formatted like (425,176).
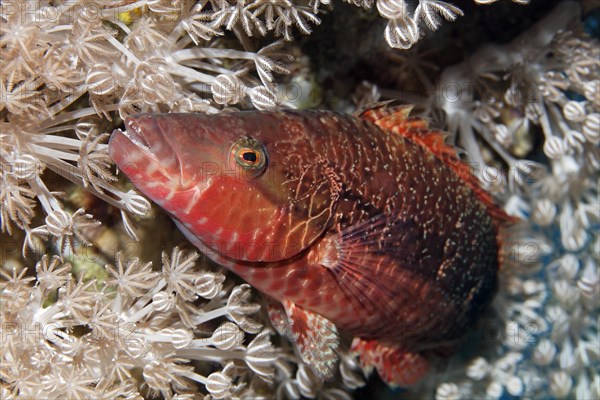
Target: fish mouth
(143,131)
(133,131)
(142,151)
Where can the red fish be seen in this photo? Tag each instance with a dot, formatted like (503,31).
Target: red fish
(368,226)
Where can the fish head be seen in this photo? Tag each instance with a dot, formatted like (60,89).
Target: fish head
(246,185)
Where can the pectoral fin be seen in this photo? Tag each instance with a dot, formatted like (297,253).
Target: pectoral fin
(315,337)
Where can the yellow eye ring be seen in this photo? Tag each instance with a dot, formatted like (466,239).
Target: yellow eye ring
(250,154)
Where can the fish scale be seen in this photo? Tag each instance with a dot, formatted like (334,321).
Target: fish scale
(367,226)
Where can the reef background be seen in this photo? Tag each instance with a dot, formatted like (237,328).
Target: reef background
(65,254)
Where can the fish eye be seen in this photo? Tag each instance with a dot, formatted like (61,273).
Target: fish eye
(250,154)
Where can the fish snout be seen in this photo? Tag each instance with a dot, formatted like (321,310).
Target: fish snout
(142,151)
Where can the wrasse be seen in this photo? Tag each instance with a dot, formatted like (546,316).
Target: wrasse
(366,226)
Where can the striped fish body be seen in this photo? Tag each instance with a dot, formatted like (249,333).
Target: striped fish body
(367,226)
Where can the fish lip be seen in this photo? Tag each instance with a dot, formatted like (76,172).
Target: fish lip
(138,128)
(143,134)
(114,138)
(133,131)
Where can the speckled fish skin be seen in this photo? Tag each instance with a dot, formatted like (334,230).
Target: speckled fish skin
(363,226)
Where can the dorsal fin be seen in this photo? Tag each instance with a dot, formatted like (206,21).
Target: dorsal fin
(396,119)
